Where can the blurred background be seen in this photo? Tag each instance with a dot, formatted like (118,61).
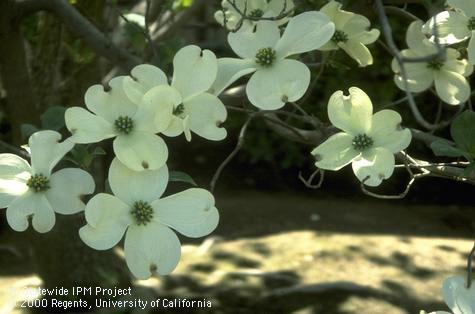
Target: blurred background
(280,247)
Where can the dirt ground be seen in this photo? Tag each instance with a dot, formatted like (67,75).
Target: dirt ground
(282,253)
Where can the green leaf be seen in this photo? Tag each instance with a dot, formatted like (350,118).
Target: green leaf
(469,172)
(445,148)
(28,129)
(83,157)
(463,132)
(179,176)
(53,118)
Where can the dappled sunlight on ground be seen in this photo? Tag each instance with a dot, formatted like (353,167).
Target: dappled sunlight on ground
(308,256)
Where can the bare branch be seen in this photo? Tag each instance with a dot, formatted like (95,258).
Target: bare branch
(387,31)
(234,152)
(396,196)
(309,182)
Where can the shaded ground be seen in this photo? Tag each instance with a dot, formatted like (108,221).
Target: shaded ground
(279,253)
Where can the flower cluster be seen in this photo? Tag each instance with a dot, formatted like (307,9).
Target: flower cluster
(139,110)
(133,110)
(352,33)
(34,191)
(232,13)
(448,74)
(455,25)
(368,140)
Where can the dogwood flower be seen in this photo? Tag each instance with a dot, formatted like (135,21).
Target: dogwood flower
(34,191)
(448,76)
(252,8)
(114,115)
(459,298)
(277,78)
(368,141)
(186,102)
(455,26)
(136,211)
(352,33)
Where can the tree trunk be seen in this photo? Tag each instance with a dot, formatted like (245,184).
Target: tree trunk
(22,107)
(61,258)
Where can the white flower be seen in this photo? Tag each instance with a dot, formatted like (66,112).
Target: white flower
(277,79)
(136,210)
(136,143)
(448,75)
(252,8)
(186,103)
(34,191)
(352,33)
(455,26)
(459,298)
(368,141)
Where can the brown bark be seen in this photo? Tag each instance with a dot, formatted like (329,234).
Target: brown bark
(21,101)
(60,257)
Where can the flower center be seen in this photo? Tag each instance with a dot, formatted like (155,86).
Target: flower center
(38,183)
(435,64)
(257,13)
(339,36)
(362,142)
(471,23)
(124,124)
(142,212)
(265,56)
(178,111)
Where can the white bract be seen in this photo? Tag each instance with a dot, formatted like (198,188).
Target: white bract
(254,9)
(368,141)
(455,26)
(34,191)
(184,105)
(459,298)
(448,76)
(136,210)
(136,143)
(277,78)
(352,33)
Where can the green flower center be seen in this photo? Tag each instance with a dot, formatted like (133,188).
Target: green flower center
(38,183)
(435,64)
(257,13)
(265,56)
(178,111)
(471,23)
(142,212)
(339,36)
(362,142)
(124,124)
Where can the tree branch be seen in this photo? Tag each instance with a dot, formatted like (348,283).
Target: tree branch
(80,25)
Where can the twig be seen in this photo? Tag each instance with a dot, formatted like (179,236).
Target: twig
(396,196)
(4,146)
(236,149)
(400,12)
(179,20)
(309,182)
(314,82)
(244,16)
(145,31)
(387,31)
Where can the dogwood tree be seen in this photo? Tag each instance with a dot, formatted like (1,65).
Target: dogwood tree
(272,40)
